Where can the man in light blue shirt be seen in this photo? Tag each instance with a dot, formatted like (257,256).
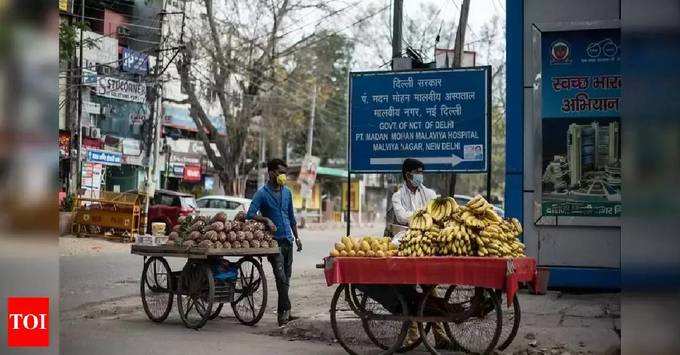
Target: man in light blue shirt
(274,202)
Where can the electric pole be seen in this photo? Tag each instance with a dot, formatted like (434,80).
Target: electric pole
(80,99)
(310,130)
(155,116)
(457,63)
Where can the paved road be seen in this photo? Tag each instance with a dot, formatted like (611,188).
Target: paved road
(114,273)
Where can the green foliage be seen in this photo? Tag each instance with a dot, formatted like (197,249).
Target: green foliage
(67,203)
(326,63)
(69,39)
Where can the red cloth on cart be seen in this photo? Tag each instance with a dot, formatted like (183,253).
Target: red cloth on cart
(498,273)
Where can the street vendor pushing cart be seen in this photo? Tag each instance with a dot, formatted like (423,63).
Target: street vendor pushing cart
(274,202)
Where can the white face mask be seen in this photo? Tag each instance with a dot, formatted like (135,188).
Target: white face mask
(417,179)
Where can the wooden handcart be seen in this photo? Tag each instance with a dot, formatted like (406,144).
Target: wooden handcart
(378,299)
(200,296)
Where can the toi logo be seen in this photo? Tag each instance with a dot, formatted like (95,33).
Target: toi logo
(28,321)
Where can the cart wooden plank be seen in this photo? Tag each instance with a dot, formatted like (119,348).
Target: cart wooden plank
(170,251)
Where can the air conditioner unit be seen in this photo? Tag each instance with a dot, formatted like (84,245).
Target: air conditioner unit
(123,31)
(95,133)
(104,69)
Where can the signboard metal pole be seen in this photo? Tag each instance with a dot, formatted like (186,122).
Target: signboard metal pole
(489,136)
(349,199)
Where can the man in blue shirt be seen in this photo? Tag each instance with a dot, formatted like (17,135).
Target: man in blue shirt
(274,202)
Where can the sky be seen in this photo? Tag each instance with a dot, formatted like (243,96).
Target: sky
(481,12)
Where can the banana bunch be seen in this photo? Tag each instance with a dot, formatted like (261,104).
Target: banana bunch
(442,208)
(471,220)
(418,243)
(499,240)
(364,247)
(478,205)
(421,220)
(456,239)
(444,228)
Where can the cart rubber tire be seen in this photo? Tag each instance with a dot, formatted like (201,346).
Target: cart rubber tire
(495,313)
(196,284)
(144,282)
(516,319)
(343,289)
(217,311)
(259,285)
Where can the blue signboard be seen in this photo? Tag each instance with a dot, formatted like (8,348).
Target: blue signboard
(135,62)
(580,125)
(581,73)
(440,117)
(104,157)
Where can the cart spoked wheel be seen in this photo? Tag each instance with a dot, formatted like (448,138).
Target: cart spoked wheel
(195,295)
(479,329)
(250,294)
(217,311)
(360,327)
(511,318)
(156,289)
(373,328)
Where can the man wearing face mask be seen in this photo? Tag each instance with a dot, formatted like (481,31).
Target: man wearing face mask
(411,197)
(274,202)
(412,194)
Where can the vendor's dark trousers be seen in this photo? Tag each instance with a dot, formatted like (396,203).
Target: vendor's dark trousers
(282,264)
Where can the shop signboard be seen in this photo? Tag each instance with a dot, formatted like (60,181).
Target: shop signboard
(192,173)
(307,176)
(91,179)
(121,89)
(178,117)
(581,100)
(135,62)
(104,157)
(440,117)
(89,77)
(91,107)
(177,170)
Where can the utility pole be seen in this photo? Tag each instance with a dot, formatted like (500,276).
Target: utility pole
(460,34)
(80,99)
(457,63)
(156,108)
(310,130)
(396,28)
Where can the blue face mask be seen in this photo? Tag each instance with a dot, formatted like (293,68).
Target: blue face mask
(417,179)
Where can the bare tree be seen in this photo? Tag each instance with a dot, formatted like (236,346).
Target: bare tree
(232,58)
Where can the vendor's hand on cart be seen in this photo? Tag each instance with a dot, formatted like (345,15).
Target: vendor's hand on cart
(271,226)
(298,243)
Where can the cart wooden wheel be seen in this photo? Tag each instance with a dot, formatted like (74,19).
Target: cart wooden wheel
(217,311)
(251,292)
(196,291)
(348,322)
(479,329)
(372,328)
(156,288)
(511,319)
